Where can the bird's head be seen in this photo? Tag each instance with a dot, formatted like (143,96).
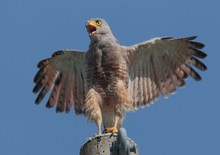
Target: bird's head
(97,26)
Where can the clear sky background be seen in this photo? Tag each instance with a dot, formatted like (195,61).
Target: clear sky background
(187,123)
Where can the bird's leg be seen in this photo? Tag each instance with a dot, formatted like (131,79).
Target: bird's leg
(99,124)
(114,128)
(92,108)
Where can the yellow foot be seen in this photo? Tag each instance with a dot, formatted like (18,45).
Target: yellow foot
(111,130)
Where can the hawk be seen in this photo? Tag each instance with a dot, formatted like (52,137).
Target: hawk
(110,79)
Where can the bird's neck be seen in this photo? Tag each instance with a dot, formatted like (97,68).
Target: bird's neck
(103,39)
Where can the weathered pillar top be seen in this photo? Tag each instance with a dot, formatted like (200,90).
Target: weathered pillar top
(110,144)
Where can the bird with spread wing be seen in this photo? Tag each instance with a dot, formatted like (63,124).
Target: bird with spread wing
(110,79)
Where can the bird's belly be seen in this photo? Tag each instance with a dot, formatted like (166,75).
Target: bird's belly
(108,79)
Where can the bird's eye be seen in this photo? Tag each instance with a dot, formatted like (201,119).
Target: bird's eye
(98,22)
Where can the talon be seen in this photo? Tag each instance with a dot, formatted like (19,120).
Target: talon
(111,130)
(95,135)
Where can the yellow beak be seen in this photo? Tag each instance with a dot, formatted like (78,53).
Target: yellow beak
(91,27)
(91,23)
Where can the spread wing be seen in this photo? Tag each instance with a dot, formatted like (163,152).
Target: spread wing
(159,65)
(64,75)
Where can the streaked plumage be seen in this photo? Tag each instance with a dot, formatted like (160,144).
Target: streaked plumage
(109,79)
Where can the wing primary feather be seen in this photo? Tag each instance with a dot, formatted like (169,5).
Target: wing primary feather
(154,75)
(190,71)
(189,38)
(43,63)
(39,75)
(196,44)
(145,77)
(83,84)
(194,74)
(69,99)
(69,96)
(38,86)
(65,94)
(43,81)
(55,92)
(79,89)
(198,64)
(44,90)
(163,78)
(170,79)
(61,99)
(171,69)
(159,76)
(43,75)
(140,84)
(180,60)
(179,73)
(167,79)
(197,53)
(180,77)
(130,83)
(149,83)
(153,92)
(39,97)
(46,87)
(135,84)
(83,76)
(75,95)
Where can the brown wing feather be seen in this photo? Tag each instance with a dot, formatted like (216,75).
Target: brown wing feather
(152,81)
(159,65)
(55,92)
(64,74)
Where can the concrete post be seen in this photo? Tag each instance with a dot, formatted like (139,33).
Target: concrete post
(110,144)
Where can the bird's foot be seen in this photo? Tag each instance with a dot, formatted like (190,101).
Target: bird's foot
(111,130)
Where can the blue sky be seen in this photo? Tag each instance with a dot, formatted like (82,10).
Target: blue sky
(186,123)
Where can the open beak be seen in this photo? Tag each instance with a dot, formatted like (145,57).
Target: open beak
(91,27)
